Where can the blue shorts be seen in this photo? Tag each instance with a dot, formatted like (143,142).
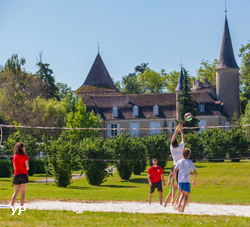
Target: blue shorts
(185,187)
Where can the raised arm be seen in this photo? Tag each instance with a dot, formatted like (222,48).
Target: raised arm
(176,131)
(182,136)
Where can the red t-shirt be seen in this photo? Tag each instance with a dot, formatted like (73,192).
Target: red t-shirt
(155,174)
(19,162)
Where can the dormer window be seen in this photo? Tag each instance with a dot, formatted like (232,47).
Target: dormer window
(156,110)
(135,111)
(115,111)
(202,107)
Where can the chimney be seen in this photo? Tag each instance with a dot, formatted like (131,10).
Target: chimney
(127,98)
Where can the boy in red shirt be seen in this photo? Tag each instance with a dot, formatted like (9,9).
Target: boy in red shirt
(155,176)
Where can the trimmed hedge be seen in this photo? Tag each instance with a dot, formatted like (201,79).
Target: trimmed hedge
(5,168)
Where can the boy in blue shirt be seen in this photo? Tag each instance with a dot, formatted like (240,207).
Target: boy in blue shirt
(184,166)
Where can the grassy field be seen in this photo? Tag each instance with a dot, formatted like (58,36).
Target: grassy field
(68,218)
(217,183)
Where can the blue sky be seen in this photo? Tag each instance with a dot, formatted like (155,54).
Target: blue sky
(159,32)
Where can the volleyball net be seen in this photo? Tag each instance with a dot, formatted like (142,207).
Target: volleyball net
(207,143)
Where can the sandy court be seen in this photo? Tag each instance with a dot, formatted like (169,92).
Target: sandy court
(137,207)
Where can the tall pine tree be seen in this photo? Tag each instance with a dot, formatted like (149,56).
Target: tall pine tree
(187,104)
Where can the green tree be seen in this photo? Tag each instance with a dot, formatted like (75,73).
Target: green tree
(45,75)
(187,104)
(63,90)
(18,90)
(207,70)
(244,76)
(83,119)
(151,81)
(129,83)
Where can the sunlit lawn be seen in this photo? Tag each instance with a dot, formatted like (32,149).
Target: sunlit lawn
(68,218)
(225,183)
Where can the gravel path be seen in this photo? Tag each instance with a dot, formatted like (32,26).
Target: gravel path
(137,207)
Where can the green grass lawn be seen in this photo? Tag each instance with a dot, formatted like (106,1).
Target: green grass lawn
(218,183)
(68,218)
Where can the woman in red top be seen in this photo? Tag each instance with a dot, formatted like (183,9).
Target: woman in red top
(21,167)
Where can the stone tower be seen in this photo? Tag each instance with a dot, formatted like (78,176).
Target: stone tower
(227,76)
(178,90)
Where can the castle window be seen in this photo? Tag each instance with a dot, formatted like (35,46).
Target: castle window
(202,107)
(171,126)
(113,130)
(135,111)
(156,110)
(134,129)
(115,111)
(155,125)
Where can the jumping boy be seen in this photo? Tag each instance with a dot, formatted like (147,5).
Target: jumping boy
(171,188)
(155,178)
(184,166)
(176,151)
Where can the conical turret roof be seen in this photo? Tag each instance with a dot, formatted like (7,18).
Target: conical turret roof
(179,86)
(98,74)
(227,59)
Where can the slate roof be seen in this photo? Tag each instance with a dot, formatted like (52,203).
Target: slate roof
(179,86)
(227,59)
(98,77)
(145,102)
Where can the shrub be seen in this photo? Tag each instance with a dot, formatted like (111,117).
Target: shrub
(95,170)
(194,143)
(215,144)
(5,168)
(37,166)
(157,147)
(62,157)
(140,158)
(238,144)
(122,152)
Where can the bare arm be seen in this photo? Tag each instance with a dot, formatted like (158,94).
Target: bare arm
(176,131)
(195,175)
(162,178)
(182,136)
(13,166)
(150,183)
(27,165)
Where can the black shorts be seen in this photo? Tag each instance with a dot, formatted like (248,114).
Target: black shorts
(177,174)
(20,179)
(157,185)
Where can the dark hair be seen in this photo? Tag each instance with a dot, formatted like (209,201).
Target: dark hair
(19,148)
(175,143)
(154,158)
(186,152)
